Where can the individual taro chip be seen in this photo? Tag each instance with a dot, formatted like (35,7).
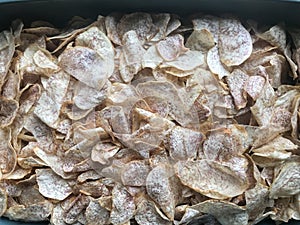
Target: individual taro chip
(211,178)
(10,88)
(135,173)
(257,199)
(32,213)
(51,185)
(111,22)
(187,61)
(168,91)
(8,111)
(163,187)
(171,47)
(287,182)
(86,65)
(131,59)
(3,201)
(49,105)
(141,23)
(151,58)
(263,108)
(160,22)
(214,63)
(8,159)
(235,43)
(173,25)
(236,82)
(146,214)
(200,40)
(210,23)
(183,143)
(225,212)
(254,86)
(86,97)
(103,152)
(123,206)
(73,211)
(95,39)
(96,214)
(40,131)
(222,145)
(7,48)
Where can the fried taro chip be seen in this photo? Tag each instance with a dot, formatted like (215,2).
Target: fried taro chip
(141,23)
(11,86)
(49,105)
(287,182)
(8,111)
(86,97)
(163,187)
(86,65)
(160,22)
(7,48)
(214,63)
(3,201)
(183,143)
(187,61)
(96,214)
(236,83)
(123,206)
(135,173)
(200,40)
(146,214)
(131,59)
(171,47)
(32,213)
(74,210)
(225,212)
(95,39)
(46,179)
(235,43)
(8,158)
(254,86)
(209,23)
(210,178)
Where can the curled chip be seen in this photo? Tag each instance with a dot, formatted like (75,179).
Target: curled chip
(150,119)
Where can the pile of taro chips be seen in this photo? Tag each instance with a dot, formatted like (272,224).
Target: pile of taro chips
(141,119)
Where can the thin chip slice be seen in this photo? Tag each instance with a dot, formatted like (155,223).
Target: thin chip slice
(123,206)
(200,40)
(146,214)
(210,178)
(151,58)
(188,61)
(51,185)
(86,65)
(254,86)
(95,214)
(135,173)
(7,48)
(214,63)
(3,201)
(162,186)
(8,111)
(235,43)
(86,97)
(133,53)
(236,82)
(139,22)
(49,105)
(183,144)
(170,48)
(287,183)
(225,212)
(32,213)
